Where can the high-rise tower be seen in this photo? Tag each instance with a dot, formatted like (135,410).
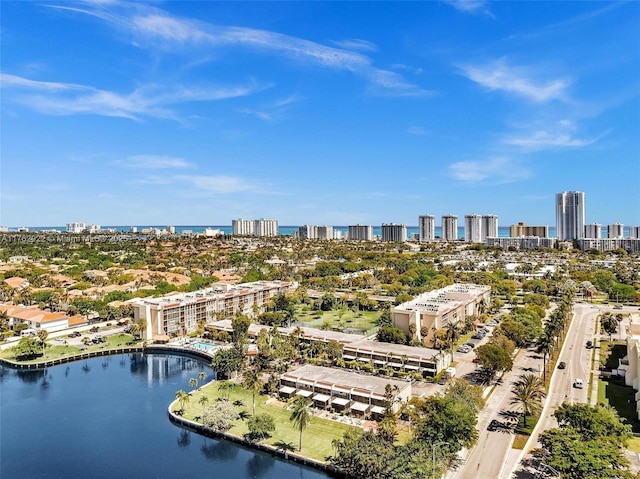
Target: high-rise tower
(570,215)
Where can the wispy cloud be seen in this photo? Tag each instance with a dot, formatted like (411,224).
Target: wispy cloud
(496,170)
(561,134)
(418,131)
(57,98)
(474,7)
(271,111)
(356,44)
(153,162)
(223,184)
(152,27)
(517,80)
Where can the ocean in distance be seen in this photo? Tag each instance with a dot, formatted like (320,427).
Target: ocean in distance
(107,418)
(503,231)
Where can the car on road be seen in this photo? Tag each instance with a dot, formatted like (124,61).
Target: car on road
(589,344)
(95,329)
(75,334)
(562,365)
(617,306)
(493,425)
(578,383)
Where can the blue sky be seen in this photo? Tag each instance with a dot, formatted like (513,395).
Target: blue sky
(119,113)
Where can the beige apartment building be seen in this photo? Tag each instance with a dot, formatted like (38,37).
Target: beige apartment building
(522,229)
(179,314)
(435,309)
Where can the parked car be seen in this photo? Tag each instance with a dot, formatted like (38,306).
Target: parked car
(477,336)
(562,365)
(75,334)
(471,345)
(95,329)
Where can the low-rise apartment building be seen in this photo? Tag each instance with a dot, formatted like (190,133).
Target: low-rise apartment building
(435,309)
(356,394)
(179,314)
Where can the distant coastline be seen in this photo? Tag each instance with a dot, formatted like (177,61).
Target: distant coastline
(285,230)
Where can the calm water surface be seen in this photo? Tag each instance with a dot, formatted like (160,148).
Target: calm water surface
(107,418)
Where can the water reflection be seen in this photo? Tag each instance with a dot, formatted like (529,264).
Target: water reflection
(216,450)
(260,463)
(184,438)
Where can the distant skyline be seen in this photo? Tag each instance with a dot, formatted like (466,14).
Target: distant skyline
(336,113)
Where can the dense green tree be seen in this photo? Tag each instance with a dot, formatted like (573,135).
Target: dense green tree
(27,348)
(609,323)
(240,324)
(226,361)
(391,334)
(260,427)
(221,416)
(493,359)
(515,331)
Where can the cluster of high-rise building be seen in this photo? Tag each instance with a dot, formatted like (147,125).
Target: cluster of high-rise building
(260,227)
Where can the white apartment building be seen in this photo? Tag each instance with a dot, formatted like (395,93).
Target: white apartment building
(308,232)
(473,228)
(632,373)
(593,230)
(634,232)
(435,309)
(489,226)
(427,228)
(178,314)
(242,227)
(360,233)
(570,215)
(76,227)
(264,227)
(449,228)
(325,232)
(520,242)
(632,245)
(394,232)
(615,230)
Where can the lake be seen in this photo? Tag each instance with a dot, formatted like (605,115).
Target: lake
(107,418)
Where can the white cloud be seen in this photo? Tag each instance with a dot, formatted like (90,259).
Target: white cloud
(500,76)
(470,6)
(222,184)
(154,28)
(496,170)
(561,134)
(149,100)
(418,131)
(154,162)
(356,44)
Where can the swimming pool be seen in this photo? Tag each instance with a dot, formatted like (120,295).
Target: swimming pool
(204,347)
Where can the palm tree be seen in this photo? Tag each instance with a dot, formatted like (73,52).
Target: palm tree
(528,392)
(254,384)
(285,447)
(545,346)
(300,415)
(202,376)
(193,382)
(453,333)
(42,336)
(203,402)
(226,387)
(183,397)
(609,323)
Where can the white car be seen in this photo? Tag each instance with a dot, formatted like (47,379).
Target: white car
(577,384)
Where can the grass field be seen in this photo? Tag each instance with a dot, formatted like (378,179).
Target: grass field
(316,438)
(621,397)
(56,350)
(344,318)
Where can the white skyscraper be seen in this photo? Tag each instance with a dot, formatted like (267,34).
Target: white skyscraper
(242,227)
(489,227)
(634,232)
(394,232)
(615,230)
(570,215)
(360,233)
(473,228)
(593,230)
(427,228)
(449,228)
(263,227)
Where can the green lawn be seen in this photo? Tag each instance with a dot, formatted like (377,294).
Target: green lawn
(57,350)
(346,318)
(621,397)
(316,438)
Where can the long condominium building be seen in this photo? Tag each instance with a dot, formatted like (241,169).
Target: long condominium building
(315,232)
(435,309)
(394,232)
(261,227)
(570,215)
(361,233)
(449,228)
(242,227)
(427,228)
(179,314)
(522,229)
(520,242)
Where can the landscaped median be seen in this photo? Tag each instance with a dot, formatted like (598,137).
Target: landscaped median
(317,437)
